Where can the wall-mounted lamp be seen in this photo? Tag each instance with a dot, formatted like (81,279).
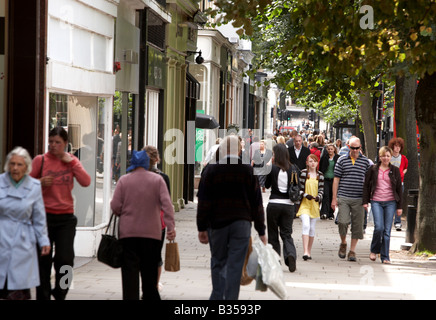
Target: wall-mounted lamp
(199,58)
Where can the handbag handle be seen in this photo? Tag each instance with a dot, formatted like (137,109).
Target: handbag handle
(294,176)
(109,224)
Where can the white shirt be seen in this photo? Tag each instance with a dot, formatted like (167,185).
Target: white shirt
(297,152)
(282,183)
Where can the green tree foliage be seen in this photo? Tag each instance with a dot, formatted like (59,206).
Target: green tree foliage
(329,52)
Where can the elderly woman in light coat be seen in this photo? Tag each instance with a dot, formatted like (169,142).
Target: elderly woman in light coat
(23,225)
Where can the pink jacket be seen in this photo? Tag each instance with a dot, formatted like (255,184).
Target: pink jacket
(57,197)
(138,199)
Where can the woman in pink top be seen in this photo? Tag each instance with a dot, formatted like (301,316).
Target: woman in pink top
(138,199)
(56,171)
(383,189)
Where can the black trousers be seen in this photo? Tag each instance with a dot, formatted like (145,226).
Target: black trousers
(61,232)
(141,256)
(326,207)
(280,218)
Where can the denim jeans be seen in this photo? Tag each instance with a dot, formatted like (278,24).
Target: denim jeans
(326,207)
(383,212)
(228,246)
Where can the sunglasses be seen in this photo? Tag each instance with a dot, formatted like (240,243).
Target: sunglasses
(355,148)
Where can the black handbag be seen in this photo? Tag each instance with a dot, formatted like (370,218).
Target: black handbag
(110,250)
(294,189)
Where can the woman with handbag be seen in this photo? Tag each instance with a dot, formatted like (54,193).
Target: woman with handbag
(138,199)
(153,154)
(280,210)
(311,191)
(57,170)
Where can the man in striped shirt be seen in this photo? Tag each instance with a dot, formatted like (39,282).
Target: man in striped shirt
(348,183)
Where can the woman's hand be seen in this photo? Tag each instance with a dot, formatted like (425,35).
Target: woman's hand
(66,157)
(46,181)
(171,235)
(45,250)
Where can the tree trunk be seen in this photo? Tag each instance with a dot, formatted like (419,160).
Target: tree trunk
(405,122)
(368,123)
(425,102)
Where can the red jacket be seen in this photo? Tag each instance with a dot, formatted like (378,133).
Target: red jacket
(403,166)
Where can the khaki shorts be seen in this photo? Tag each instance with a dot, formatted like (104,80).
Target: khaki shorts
(350,210)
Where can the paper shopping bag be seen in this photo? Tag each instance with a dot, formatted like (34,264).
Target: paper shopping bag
(172,258)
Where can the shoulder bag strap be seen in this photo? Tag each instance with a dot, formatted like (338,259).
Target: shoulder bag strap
(294,178)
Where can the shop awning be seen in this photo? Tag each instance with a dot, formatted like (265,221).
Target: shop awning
(204,121)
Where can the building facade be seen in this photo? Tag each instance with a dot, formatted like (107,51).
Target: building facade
(119,75)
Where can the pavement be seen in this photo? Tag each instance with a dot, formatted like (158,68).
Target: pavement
(325,277)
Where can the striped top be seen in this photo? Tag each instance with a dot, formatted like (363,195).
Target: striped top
(352,176)
(302,184)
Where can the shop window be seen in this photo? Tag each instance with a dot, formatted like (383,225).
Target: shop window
(122,134)
(82,118)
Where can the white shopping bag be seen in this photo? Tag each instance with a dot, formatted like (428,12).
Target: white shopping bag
(272,273)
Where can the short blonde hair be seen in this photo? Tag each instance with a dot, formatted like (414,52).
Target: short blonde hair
(281,139)
(19,151)
(383,151)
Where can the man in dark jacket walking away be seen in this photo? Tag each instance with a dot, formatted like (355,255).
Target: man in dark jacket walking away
(229,198)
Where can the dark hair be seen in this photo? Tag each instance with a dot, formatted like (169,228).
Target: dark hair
(59,131)
(281,156)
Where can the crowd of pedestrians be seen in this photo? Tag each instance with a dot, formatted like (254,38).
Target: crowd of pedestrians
(229,201)
(349,184)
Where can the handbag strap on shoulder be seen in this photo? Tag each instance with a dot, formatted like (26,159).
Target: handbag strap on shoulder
(294,179)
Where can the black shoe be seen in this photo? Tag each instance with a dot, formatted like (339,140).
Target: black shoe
(291,263)
(59,294)
(306,257)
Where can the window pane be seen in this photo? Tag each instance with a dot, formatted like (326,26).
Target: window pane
(78,115)
(99,174)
